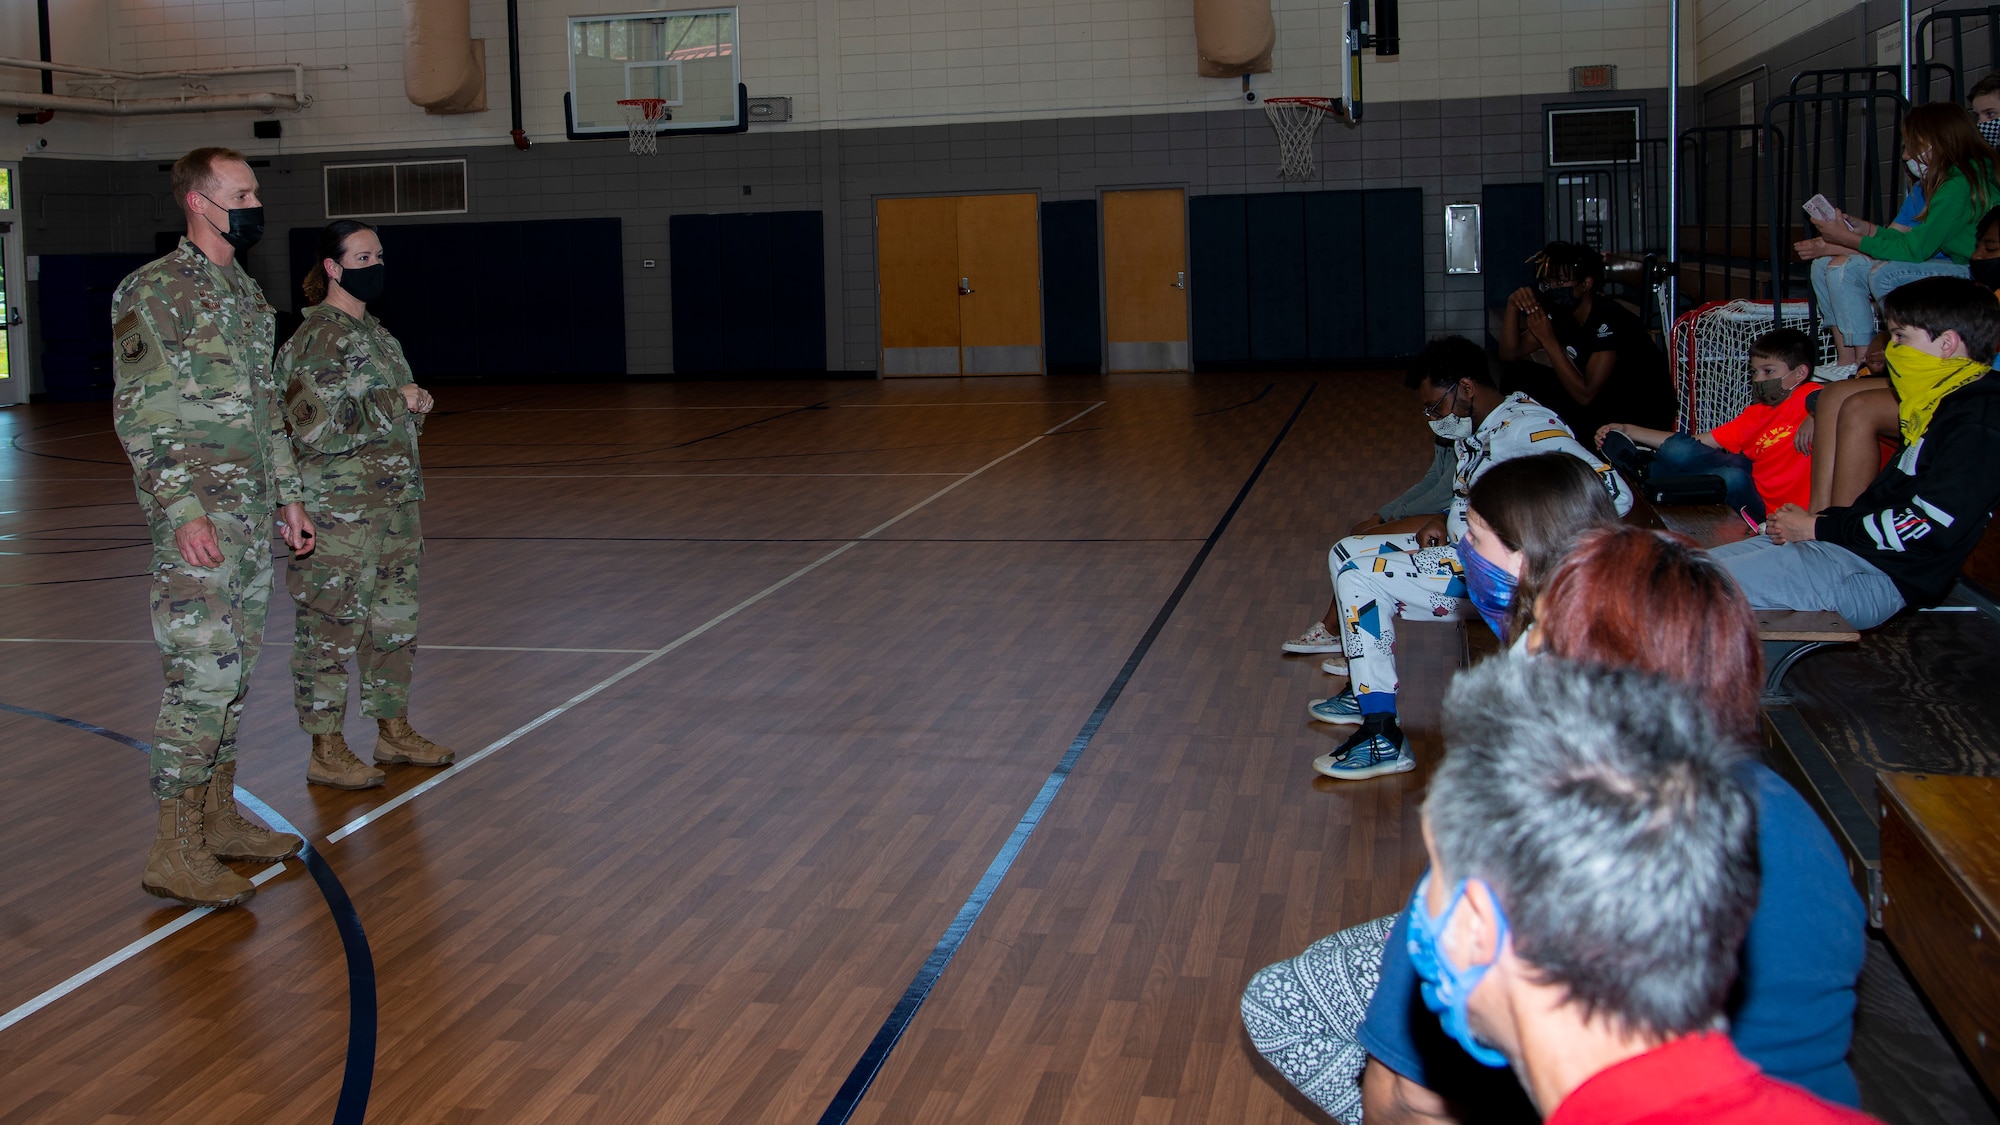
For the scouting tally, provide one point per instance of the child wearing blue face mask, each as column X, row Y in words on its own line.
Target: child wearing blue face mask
column 1522, row 517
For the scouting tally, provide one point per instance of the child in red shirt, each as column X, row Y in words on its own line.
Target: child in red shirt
column 1754, row 454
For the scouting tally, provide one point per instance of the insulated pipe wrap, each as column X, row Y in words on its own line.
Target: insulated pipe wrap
column 444, row 68
column 1234, row 37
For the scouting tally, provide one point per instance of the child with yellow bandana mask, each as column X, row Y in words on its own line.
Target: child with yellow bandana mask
column 1903, row 539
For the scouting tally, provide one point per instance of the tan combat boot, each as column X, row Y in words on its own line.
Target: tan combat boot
column 180, row 866
column 398, row 743
column 230, row 836
column 336, row 767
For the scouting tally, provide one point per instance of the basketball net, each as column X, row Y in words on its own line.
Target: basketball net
column 1297, row 121
column 642, row 123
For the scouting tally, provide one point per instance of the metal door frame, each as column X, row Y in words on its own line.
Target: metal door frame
column 19, row 384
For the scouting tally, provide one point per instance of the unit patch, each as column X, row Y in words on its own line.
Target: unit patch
column 303, row 407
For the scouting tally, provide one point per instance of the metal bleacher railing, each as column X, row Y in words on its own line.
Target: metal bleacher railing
column 1618, row 208
column 1835, row 132
column 1971, row 44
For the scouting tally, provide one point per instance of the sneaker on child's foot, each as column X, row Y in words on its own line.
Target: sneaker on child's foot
column 1342, row 710
column 1334, row 666
column 1368, row 753
column 1315, row 639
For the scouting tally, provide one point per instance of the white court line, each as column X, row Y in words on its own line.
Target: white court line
column 114, row 960
column 511, row 648
column 647, row 476
column 553, row 713
column 69, row 641
column 447, row 648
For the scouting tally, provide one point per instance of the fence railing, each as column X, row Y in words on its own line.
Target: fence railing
column 1971, row 42
column 1849, row 141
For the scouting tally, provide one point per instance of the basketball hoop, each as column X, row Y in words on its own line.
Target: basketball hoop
column 642, row 122
column 1297, row 121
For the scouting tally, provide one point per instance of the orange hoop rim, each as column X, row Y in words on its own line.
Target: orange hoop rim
column 1319, row 103
column 652, row 106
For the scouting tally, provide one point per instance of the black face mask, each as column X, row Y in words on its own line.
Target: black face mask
column 365, row 283
column 246, row 225
column 1560, row 300
column 1986, row 271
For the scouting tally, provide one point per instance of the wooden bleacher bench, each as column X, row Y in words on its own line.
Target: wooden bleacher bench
column 1789, row 634
column 1941, row 901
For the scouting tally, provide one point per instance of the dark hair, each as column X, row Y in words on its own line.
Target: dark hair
column 196, row 171
column 1572, row 260
column 1651, row 600
column 1538, row 506
column 332, row 244
column 1446, row 360
column 1605, row 815
column 1941, row 133
column 1938, row 305
column 1991, row 217
column 1987, row 85
column 1788, row 346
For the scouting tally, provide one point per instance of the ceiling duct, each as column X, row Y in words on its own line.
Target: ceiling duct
column 444, row 67
column 1234, row 37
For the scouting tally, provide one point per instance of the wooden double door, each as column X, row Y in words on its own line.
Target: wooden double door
column 961, row 283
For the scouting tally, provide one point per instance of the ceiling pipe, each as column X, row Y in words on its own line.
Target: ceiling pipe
column 296, row 70
column 140, row 107
column 42, row 19
column 520, row 135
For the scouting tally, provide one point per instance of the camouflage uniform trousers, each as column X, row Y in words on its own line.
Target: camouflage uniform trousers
column 209, row 625
column 357, row 597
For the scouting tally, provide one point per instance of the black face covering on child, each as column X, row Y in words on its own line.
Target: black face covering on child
column 1986, row 271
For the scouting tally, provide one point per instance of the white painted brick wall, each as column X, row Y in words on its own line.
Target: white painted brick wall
column 899, row 61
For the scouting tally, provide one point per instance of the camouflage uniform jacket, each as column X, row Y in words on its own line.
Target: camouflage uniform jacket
column 355, row 436
column 195, row 402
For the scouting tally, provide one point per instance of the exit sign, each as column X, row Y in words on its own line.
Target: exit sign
column 1583, row 79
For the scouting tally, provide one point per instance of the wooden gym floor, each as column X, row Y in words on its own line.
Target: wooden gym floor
column 751, row 685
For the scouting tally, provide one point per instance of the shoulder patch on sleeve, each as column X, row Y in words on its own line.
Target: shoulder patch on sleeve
column 303, row 407
column 136, row 346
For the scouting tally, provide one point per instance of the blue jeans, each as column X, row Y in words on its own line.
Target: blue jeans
column 1683, row 456
column 1843, row 290
column 1811, row 576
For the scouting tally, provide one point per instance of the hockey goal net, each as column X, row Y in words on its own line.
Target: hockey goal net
column 1710, row 352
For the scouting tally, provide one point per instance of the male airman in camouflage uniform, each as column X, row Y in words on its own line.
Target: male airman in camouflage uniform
column 199, row 412
column 355, row 413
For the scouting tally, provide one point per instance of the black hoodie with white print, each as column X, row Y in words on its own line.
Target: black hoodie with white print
column 1925, row 513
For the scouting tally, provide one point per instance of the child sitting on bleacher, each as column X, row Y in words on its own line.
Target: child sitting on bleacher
column 1754, row 454
column 1902, row 541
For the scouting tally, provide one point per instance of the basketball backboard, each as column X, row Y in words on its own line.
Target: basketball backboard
column 689, row 59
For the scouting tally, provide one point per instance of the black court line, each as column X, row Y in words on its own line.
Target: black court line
column 359, row 1076
column 849, row 1096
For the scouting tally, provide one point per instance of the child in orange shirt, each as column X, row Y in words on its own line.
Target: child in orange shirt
column 1754, row 453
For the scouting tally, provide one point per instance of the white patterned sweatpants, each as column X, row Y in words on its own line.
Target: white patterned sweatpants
column 1378, row 578
column 1303, row 1015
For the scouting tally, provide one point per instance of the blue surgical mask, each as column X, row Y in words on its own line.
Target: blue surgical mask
column 1490, row 587
column 1446, row 988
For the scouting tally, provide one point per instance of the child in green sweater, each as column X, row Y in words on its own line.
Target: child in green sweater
column 1955, row 171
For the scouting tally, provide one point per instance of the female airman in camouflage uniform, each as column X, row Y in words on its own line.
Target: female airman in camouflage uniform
column 355, row 414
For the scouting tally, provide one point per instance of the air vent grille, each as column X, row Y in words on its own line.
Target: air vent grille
column 413, row 187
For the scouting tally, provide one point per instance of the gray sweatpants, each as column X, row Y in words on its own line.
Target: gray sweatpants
column 1812, row 576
